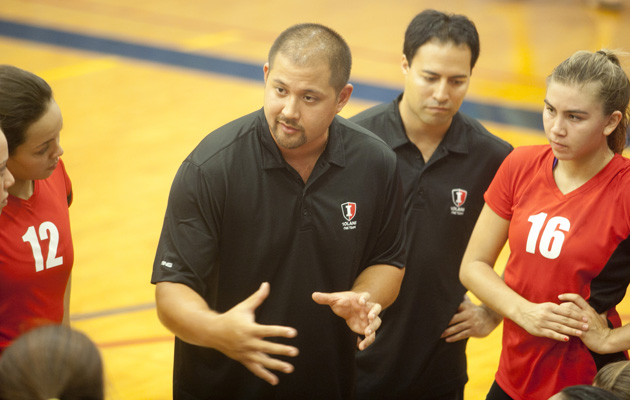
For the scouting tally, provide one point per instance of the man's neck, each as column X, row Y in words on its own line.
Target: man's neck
column 304, row 158
column 426, row 137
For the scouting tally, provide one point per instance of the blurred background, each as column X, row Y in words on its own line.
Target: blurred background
column 141, row 82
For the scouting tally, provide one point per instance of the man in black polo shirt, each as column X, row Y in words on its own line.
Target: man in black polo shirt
column 274, row 220
column 447, row 161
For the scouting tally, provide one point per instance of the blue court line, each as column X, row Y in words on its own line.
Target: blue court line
column 363, row 90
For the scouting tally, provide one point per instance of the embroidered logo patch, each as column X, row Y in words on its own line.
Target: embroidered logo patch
column 459, row 198
column 349, row 211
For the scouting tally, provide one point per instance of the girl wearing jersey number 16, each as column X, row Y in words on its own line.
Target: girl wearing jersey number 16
column 564, row 208
column 36, row 252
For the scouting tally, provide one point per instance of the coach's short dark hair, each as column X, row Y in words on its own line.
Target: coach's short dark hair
column 432, row 24
column 306, row 43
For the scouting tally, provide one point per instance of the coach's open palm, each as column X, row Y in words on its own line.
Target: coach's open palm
column 361, row 315
column 243, row 338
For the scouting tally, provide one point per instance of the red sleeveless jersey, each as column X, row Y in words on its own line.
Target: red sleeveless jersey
column 36, row 256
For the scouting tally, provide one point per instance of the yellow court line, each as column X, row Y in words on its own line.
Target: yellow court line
column 212, row 40
column 80, row 69
column 524, row 95
column 516, row 136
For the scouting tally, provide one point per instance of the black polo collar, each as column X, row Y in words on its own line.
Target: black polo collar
column 452, row 141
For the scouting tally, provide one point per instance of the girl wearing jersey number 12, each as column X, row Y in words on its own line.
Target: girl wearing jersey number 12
column 36, row 252
column 565, row 208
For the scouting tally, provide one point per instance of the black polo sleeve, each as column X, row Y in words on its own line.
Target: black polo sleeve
column 390, row 245
column 188, row 246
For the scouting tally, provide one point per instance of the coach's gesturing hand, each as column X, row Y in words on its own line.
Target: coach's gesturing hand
column 235, row 333
column 360, row 314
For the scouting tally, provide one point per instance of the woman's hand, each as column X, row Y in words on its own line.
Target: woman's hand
column 552, row 320
column 598, row 333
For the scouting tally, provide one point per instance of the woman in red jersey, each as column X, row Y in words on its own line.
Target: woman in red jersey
column 565, row 208
column 36, row 252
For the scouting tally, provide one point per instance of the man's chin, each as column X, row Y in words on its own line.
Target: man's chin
column 288, row 141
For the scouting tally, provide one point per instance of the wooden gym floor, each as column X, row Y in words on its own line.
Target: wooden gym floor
column 141, row 82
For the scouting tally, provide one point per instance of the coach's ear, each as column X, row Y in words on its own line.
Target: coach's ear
column 344, row 96
column 404, row 65
column 266, row 71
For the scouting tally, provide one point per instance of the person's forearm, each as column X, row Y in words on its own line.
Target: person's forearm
column 494, row 317
column 483, row 282
column 618, row 340
column 476, row 272
column 185, row 313
column 382, row 282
